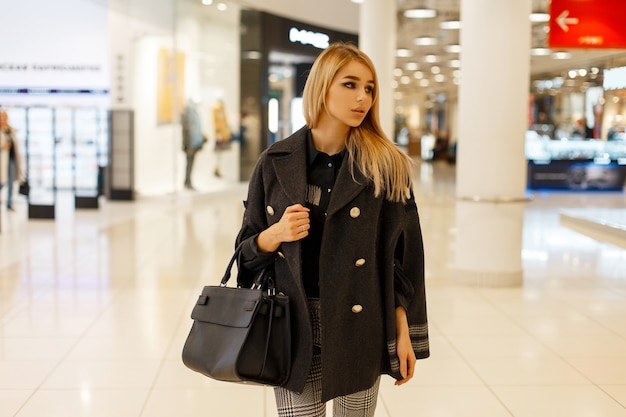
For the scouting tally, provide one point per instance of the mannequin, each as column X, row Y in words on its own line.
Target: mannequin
column 193, row 139
column 222, row 132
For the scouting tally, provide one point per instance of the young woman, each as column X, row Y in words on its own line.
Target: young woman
column 331, row 207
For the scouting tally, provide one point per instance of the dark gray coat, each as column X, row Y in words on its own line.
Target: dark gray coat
column 359, row 286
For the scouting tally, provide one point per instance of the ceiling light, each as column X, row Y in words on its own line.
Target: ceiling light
column 397, row 72
column 540, row 51
column 207, row 2
column 453, row 49
column 251, row 55
column 405, row 80
column 418, row 75
column 425, row 41
column 403, row 53
column 572, row 73
column 222, row 7
column 450, row 25
column 539, row 17
column 411, row 66
column 440, row 78
column 561, row 55
column 424, row 82
column 435, row 69
column 454, row 63
column 357, row 1
column 420, row 13
column 431, row 59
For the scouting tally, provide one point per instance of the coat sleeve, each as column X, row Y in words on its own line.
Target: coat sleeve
column 411, row 291
column 406, row 255
column 251, row 259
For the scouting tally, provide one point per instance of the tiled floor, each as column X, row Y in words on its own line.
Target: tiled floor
column 94, row 310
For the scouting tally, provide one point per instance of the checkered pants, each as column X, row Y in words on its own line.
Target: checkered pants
column 309, row 403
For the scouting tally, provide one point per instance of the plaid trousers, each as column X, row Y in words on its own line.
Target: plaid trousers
column 309, row 402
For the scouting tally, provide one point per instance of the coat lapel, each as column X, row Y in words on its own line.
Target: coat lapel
column 290, row 166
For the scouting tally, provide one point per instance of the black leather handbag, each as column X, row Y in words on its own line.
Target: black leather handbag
column 241, row 335
column 24, row 188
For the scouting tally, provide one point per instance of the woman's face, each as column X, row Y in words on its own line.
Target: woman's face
column 351, row 94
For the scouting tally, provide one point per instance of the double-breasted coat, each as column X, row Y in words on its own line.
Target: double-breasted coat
column 371, row 261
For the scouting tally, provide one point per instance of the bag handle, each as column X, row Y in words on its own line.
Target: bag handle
column 226, row 276
column 262, row 281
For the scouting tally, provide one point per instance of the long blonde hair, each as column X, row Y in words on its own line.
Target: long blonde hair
column 371, row 152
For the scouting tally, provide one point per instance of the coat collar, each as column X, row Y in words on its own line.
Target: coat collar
column 289, row 162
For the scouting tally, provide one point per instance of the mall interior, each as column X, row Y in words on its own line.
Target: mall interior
column 518, row 141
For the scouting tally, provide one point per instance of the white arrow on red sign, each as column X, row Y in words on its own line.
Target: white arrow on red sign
column 563, row 20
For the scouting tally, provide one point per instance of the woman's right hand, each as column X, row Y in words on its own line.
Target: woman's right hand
column 292, row 226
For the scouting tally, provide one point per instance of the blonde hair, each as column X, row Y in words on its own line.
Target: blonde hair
column 370, row 151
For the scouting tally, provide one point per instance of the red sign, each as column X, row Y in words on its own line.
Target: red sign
column 587, row 24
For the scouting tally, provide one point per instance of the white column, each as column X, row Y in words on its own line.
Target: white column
column 377, row 38
column 491, row 165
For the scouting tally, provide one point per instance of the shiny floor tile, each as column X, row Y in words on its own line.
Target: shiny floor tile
column 95, row 308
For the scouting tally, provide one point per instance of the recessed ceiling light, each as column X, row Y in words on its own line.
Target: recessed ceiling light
column 403, row 53
column 251, row 55
column 450, row 25
column 561, row 55
column 539, row 17
column 540, row 51
column 207, row 2
column 453, row 49
column 411, row 66
column 431, row 58
column 420, row 13
column 425, row 41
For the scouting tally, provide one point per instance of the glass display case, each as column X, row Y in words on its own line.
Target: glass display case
column 575, row 164
column 62, row 148
column 86, row 156
column 64, row 133
column 41, row 162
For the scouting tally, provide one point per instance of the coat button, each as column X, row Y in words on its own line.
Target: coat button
column 357, row 308
column 270, row 210
column 360, row 262
column 355, row 212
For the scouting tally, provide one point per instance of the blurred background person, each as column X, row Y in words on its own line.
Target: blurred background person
column 193, row 139
column 9, row 158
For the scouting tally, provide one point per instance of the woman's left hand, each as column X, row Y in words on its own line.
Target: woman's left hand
column 404, row 349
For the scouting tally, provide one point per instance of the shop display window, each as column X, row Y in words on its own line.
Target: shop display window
column 575, row 164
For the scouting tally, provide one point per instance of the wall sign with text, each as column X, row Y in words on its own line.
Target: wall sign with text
column 587, row 24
